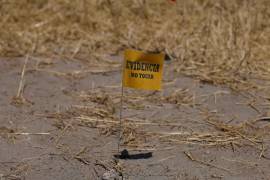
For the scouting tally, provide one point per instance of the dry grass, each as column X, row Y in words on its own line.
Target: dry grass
column 96, row 112
column 217, row 42
column 221, row 42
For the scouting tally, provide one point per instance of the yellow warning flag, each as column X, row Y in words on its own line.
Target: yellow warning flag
column 142, row 70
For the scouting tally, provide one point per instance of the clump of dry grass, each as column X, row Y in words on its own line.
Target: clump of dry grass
column 179, row 97
column 19, row 99
column 7, row 133
column 220, row 42
column 222, row 135
column 19, row 171
column 136, row 133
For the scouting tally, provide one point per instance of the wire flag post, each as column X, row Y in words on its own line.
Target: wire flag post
column 140, row 71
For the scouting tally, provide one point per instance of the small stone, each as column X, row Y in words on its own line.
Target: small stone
column 110, row 175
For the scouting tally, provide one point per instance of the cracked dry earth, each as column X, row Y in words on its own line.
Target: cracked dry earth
column 64, row 125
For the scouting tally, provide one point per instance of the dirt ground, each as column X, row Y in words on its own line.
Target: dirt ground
column 64, row 126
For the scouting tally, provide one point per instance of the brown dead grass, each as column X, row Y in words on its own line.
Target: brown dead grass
column 220, row 42
column 96, row 112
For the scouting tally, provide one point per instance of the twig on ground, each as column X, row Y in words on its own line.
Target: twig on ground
column 192, row 158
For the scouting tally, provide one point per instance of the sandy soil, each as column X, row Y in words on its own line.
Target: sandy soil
column 72, row 150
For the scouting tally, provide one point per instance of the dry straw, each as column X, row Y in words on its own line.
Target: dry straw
column 217, row 42
column 220, row 42
column 98, row 113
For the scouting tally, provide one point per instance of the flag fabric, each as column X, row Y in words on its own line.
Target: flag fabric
column 142, row 70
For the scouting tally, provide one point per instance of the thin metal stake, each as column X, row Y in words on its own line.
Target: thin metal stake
column 121, row 109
